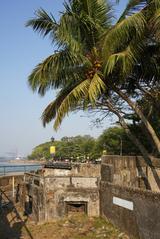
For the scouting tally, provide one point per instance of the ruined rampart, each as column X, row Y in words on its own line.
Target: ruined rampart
column 125, row 198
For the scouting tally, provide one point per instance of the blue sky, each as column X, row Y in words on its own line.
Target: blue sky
column 20, row 51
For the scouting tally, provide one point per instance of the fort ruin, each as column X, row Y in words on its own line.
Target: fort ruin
column 57, row 192
column 123, row 189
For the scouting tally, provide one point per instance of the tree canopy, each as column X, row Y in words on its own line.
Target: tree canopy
column 99, row 63
column 113, row 140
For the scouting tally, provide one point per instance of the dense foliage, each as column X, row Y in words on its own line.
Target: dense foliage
column 83, row 148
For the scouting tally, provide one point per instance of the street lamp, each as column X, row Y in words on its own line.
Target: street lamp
column 52, row 149
column 121, row 145
column 104, row 149
column 52, row 139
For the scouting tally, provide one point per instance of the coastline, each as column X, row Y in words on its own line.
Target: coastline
column 25, row 161
column 14, row 167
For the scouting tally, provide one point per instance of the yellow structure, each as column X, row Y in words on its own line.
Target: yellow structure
column 52, row 149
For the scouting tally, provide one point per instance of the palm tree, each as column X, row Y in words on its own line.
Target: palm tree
column 74, row 66
column 82, row 70
column 132, row 50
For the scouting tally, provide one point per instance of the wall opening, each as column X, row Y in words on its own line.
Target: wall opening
column 28, row 205
column 74, row 207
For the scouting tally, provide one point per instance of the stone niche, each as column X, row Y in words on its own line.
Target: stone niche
column 71, row 207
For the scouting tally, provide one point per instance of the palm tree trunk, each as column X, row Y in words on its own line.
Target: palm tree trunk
column 142, row 117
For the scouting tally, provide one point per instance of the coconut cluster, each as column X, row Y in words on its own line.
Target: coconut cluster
column 96, row 66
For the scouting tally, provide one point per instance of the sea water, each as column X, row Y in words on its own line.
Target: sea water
column 6, row 167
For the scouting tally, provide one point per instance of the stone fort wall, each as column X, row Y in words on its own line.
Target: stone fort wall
column 126, row 198
column 132, row 171
column 122, row 189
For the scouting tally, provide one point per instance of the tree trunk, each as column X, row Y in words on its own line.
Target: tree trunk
column 142, row 117
column 136, row 142
column 152, row 98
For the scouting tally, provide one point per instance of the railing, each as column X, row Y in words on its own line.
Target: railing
column 10, row 169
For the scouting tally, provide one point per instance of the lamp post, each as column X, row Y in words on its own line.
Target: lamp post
column 104, row 149
column 52, row 139
column 52, row 149
column 121, row 145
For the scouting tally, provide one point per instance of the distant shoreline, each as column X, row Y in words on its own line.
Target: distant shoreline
column 25, row 161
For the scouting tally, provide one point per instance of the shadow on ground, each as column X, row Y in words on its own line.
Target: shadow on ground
column 11, row 222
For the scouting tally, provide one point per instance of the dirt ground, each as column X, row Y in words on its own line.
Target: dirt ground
column 13, row 225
